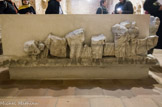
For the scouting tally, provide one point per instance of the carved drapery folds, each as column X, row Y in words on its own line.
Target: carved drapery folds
column 126, row 44
column 97, row 44
column 75, row 41
column 56, row 45
column 127, row 41
column 154, row 25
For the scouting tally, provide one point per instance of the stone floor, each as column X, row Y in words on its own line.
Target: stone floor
column 158, row 54
column 156, row 72
column 79, row 93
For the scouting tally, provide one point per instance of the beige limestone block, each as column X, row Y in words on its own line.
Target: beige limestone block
column 128, row 49
column 56, row 45
column 133, row 46
column 152, row 59
column 154, row 25
column 126, row 24
column 144, row 45
column 126, row 42
column 109, row 49
column 133, row 32
column 30, row 47
column 152, row 41
column 141, row 46
column 121, row 38
column 40, row 46
column 48, row 42
column 134, row 24
column 119, row 30
column 97, row 43
column 86, row 52
column 75, row 41
column 60, row 25
column 120, row 50
column 44, row 53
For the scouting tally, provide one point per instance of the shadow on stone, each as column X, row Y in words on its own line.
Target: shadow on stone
column 116, row 88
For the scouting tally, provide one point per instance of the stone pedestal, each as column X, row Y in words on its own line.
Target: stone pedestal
column 80, row 72
column 118, row 52
column 64, row 69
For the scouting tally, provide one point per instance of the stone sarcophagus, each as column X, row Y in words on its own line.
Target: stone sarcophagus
column 53, row 47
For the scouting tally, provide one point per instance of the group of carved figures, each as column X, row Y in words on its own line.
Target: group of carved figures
column 126, row 43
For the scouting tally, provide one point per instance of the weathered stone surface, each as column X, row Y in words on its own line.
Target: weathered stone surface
column 86, row 52
column 127, row 43
column 133, row 32
column 16, row 61
column 56, row 45
column 44, row 53
column 133, row 24
column 150, row 59
column 126, row 24
column 152, row 41
column 154, row 25
column 50, row 68
column 97, row 43
column 41, row 46
column 92, row 26
column 48, row 41
column 141, row 47
column 128, row 49
column 133, row 46
column 126, row 39
column 109, row 49
column 31, row 47
column 75, row 41
column 119, row 30
column 121, row 37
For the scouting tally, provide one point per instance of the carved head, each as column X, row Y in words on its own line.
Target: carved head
column 25, row 2
column 58, row 0
column 103, row 3
column 122, row 1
